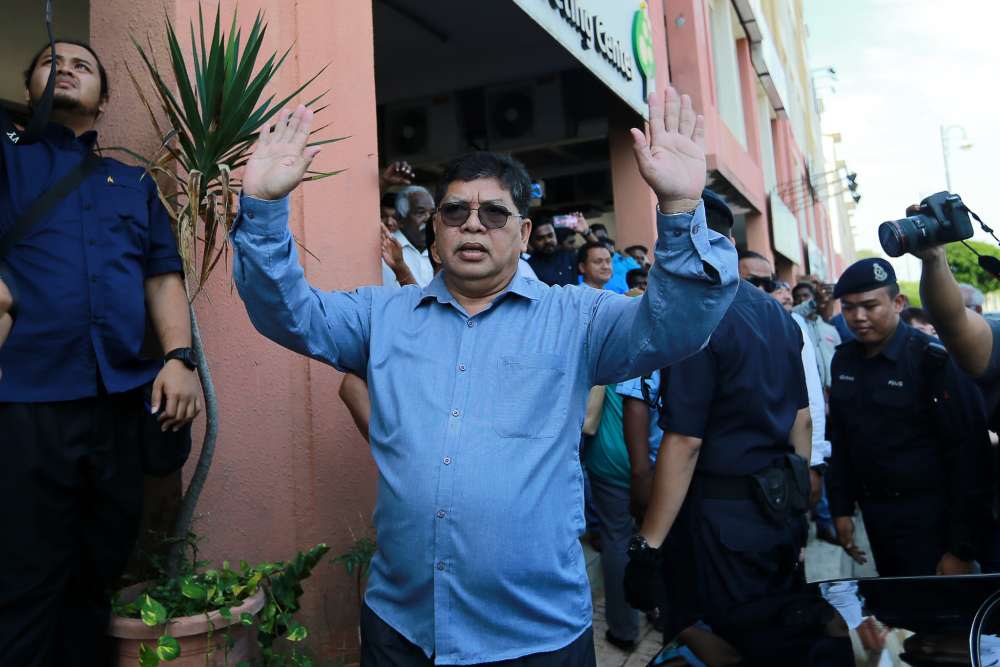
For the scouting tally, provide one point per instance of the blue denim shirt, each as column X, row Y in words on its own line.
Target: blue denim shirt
column 78, row 276
column 475, row 422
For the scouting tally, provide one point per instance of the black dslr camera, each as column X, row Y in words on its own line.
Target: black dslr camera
column 942, row 218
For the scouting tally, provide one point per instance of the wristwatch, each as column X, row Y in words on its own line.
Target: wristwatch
column 185, row 355
column 638, row 545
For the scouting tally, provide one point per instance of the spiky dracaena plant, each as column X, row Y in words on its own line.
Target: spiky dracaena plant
column 213, row 112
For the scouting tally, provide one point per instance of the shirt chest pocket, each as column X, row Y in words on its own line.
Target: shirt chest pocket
column 528, row 396
column 894, row 397
column 125, row 207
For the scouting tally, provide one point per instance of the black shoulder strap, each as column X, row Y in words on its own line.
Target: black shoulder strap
column 49, row 198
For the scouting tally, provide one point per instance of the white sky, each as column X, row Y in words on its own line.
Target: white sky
column 905, row 68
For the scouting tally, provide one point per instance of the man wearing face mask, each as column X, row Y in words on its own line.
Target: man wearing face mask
column 480, row 498
column 905, row 425
column 84, row 276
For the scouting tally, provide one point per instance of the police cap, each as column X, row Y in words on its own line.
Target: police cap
column 865, row 275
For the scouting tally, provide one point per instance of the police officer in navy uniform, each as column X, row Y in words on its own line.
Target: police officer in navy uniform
column 906, row 427
column 726, row 523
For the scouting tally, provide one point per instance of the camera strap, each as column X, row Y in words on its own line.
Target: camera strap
column 987, row 263
column 41, row 112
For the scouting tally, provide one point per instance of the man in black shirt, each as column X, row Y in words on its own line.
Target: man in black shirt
column 552, row 265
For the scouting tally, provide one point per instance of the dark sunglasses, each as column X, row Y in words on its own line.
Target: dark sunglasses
column 766, row 283
column 493, row 216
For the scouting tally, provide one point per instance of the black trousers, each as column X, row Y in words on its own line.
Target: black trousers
column 70, row 506
column 908, row 535
column 382, row 646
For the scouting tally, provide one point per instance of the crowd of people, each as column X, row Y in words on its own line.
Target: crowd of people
column 520, row 380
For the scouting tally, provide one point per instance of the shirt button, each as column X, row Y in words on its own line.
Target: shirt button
column 461, row 367
column 250, row 214
column 454, row 413
column 440, row 514
column 93, row 279
column 696, row 229
column 447, row 460
column 91, row 242
column 470, row 324
column 87, row 207
column 677, row 232
column 440, row 565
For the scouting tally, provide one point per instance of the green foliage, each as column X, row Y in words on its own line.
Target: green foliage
column 200, row 591
column 214, row 113
column 912, row 291
column 965, row 265
column 359, row 558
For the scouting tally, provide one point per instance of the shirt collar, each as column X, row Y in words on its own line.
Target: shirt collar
column 521, row 284
column 65, row 137
column 895, row 347
column 405, row 242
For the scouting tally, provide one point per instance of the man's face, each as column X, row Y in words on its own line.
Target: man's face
column 388, row 216
column 924, row 326
column 784, row 296
column 596, row 269
column 543, row 239
column 639, row 255
column 78, row 81
column 421, row 210
column 640, row 283
column 801, row 295
column 753, row 266
column 472, row 251
column 871, row 316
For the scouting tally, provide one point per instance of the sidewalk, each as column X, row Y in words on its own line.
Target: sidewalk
column 823, row 562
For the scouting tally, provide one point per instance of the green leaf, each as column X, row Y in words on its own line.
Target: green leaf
column 246, row 618
column 167, row 648
column 148, row 657
column 191, row 589
column 226, row 613
column 152, row 612
column 297, row 632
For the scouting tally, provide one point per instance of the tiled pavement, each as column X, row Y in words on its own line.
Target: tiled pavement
column 823, row 561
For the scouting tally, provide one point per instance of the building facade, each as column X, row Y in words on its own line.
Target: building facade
column 556, row 82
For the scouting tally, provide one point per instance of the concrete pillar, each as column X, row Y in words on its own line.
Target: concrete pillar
column 290, row 470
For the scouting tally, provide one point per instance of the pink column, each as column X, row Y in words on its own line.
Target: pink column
column 290, row 469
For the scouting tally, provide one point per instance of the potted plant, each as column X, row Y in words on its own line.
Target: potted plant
column 213, row 117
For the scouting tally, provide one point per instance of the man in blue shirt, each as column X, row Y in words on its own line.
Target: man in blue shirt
column 480, row 493
column 83, row 279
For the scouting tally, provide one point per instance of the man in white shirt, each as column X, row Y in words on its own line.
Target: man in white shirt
column 414, row 207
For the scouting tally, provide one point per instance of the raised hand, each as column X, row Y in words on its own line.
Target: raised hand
column 672, row 160
column 397, row 173
column 280, row 158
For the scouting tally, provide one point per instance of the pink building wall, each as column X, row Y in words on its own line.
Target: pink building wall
column 290, row 470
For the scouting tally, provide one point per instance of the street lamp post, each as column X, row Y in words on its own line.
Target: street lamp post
column 946, row 132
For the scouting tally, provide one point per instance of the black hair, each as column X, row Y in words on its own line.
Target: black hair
column 893, row 290
column 388, row 200
column 632, row 275
column 541, row 223
column 643, row 248
column 914, row 313
column 105, row 88
column 484, row 164
column 805, row 285
column 750, row 254
column 562, row 233
column 584, row 251
column 429, row 241
column 598, row 227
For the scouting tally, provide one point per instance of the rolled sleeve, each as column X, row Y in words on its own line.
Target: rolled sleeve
column 688, row 390
column 162, row 256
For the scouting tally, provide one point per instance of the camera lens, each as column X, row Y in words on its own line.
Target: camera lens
column 892, row 238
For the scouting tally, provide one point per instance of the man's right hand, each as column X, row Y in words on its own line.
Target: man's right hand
column 845, row 533
column 644, row 585
column 280, row 158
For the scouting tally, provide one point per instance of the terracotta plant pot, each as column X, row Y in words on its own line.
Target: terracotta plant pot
column 203, row 638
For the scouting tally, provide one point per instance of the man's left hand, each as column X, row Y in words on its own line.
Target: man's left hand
column 815, row 487
column 175, row 396
column 951, row 564
column 672, row 161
